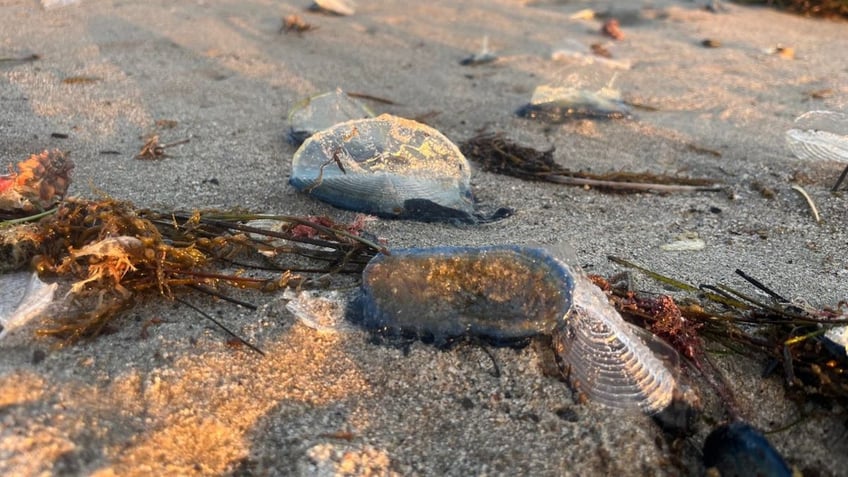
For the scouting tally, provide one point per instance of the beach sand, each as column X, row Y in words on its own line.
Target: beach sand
column 172, row 398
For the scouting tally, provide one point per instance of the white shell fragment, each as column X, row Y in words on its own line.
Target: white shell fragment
column 323, row 111
column 50, row 4
column 23, row 297
column 607, row 360
column 386, row 166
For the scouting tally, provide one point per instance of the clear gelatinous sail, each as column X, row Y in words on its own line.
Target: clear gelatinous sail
column 23, row 297
column 386, row 166
column 606, row 359
column 323, row 111
column 819, row 136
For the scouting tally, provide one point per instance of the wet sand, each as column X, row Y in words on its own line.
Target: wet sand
column 174, row 399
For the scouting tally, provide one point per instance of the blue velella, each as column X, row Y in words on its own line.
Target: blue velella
column 387, row 166
column 737, row 449
column 323, row 111
column 504, row 293
column 501, row 293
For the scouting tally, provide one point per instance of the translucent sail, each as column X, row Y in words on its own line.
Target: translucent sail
column 607, row 360
column 819, row 136
column 23, row 296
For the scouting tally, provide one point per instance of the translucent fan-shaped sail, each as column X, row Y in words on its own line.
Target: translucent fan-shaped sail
column 819, row 136
column 607, row 360
column 23, row 297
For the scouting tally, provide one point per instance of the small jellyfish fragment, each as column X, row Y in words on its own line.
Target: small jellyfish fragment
column 335, row 7
column 482, row 57
column 606, row 359
column 737, row 449
column 820, row 136
column 323, row 311
column 389, row 167
column 499, row 293
column 323, row 111
column 575, row 52
column 23, row 297
column 561, row 104
column 837, row 340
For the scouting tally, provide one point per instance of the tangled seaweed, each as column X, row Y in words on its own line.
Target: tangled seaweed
column 819, row 8
column 789, row 335
column 111, row 254
column 36, row 184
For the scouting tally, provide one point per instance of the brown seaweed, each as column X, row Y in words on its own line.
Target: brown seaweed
column 497, row 154
column 788, row 335
column 35, row 184
column 110, row 254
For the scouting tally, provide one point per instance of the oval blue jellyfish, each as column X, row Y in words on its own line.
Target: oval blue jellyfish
column 505, row 294
column 389, row 167
column 737, row 449
column 501, row 293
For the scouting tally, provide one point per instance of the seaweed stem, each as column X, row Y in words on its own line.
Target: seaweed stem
column 220, row 325
column 220, row 295
column 656, row 276
column 637, row 186
column 29, row 218
column 759, row 284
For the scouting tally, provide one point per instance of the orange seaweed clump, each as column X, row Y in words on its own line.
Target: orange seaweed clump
column 39, row 183
column 110, row 255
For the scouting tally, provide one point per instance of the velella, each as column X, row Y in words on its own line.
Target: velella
column 505, row 295
column 500, row 293
column 323, row 111
column 560, row 104
column 607, row 359
column 737, row 449
column 386, row 166
column 820, row 136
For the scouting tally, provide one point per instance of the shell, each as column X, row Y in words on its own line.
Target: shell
column 561, row 104
column 323, row 111
column 386, row 166
column 447, row 292
column 607, row 359
column 739, row 449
